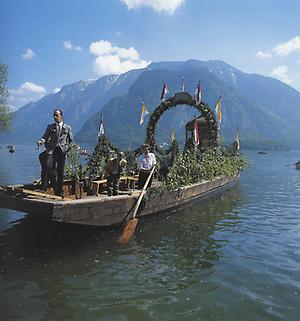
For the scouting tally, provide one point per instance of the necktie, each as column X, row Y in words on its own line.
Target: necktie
column 58, row 130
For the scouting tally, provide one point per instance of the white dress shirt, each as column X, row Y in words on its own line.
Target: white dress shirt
column 146, row 162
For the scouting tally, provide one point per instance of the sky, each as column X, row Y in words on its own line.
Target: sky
column 51, row 43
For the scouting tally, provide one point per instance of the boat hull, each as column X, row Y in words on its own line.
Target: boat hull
column 184, row 196
column 106, row 211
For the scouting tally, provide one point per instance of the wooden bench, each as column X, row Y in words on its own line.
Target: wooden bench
column 126, row 182
column 98, row 186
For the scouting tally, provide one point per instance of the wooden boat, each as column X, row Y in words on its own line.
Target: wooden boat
column 94, row 207
column 103, row 210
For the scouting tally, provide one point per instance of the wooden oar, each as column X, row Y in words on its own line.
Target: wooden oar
column 130, row 224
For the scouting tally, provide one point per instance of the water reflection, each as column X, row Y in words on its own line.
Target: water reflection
column 67, row 270
column 186, row 240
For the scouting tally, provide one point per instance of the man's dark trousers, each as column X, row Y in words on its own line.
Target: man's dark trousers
column 48, row 171
column 113, row 184
column 59, row 160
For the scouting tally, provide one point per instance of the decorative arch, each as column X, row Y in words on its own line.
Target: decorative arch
column 181, row 99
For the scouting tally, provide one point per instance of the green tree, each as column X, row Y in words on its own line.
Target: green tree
column 4, row 109
column 97, row 162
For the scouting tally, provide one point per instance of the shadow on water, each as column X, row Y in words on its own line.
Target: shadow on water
column 35, row 240
column 67, row 270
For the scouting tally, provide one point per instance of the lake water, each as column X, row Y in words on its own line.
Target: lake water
column 234, row 257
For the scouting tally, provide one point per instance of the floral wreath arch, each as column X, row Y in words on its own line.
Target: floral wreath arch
column 182, row 98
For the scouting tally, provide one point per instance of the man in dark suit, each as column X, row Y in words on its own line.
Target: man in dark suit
column 56, row 138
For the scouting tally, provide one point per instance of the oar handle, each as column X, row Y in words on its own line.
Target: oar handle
column 137, row 205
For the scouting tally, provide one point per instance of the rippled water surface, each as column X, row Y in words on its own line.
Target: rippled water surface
column 234, row 257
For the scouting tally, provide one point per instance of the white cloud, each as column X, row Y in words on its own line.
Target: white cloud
column 281, row 73
column 169, row 6
column 27, row 92
column 286, row 48
column 115, row 60
column 104, row 47
column 129, row 53
column 100, row 48
column 29, row 54
column 56, row 90
column 112, row 64
column 263, row 54
column 33, row 88
column 69, row 46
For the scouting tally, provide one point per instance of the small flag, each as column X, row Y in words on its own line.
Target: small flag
column 196, row 133
column 237, row 140
column 182, row 85
column 172, row 136
column 101, row 127
column 144, row 113
column 218, row 110
column 198, row 94
column 164, row 92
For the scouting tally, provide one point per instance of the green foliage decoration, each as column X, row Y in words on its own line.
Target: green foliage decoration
column 97, row 161
column 131, row 166
column 193, row 167
column 73, row 168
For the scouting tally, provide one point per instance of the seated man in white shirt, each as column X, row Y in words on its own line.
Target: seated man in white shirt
column 145, row 163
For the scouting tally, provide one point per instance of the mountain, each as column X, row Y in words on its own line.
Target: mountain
column 264, row 110
column 78, row 101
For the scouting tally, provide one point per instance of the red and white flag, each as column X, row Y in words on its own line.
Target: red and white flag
column 196, row 133
column 198, row 94
column 164, row 92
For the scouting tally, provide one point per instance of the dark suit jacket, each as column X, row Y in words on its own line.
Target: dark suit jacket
column 52, row 139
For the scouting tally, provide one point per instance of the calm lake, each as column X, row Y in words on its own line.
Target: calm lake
column 234, row 257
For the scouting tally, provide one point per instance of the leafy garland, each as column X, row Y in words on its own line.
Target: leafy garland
column 180, row 99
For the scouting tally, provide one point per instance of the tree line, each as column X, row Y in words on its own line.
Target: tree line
column 4, row 108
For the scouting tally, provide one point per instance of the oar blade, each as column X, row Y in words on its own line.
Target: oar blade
column 128, row 231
